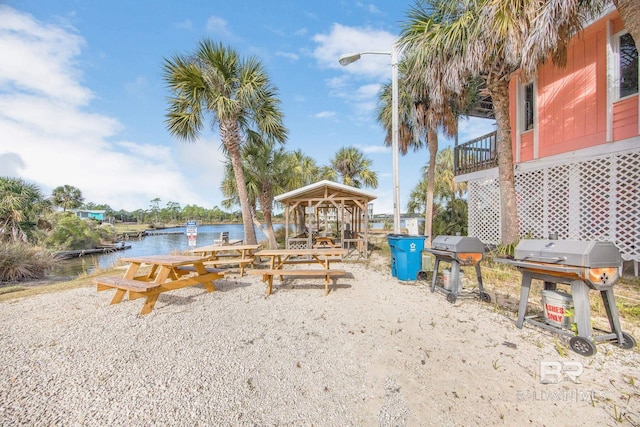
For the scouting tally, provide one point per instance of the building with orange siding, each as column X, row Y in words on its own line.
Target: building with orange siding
column 576, row 144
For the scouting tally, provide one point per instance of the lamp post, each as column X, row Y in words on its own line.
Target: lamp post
column 347, row 59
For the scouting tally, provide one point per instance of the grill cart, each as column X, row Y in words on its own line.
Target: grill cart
column 457, row 250
column 584, row 265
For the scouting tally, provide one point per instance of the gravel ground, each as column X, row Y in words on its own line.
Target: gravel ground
column 374, row 352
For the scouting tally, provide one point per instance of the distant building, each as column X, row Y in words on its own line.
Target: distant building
column 89, row 214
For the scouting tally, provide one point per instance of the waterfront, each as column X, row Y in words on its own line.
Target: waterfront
column 167, row 241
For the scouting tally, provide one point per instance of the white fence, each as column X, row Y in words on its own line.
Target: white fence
column 597, row 198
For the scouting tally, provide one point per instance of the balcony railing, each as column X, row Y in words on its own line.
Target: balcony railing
column 476, row 155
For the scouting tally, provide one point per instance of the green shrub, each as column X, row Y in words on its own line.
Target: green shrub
column 20, row 261
column 71, row 233
column 106, row 231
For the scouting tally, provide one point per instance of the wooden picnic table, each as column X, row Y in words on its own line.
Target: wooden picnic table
column 278, row 258
column 324, row 242
column 166, row 273
column 217, row 255
column 214, row 252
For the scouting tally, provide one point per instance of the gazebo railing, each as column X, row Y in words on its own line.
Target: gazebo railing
column 298, row 243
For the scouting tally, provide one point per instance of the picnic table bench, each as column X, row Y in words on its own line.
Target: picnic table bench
column 281, row 257
column 241, row 255
column 267, row 275
column 166, row 273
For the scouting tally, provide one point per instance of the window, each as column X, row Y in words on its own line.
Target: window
column 529, row 106
column 627, row 66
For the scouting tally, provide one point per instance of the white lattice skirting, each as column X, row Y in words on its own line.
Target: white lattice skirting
column 585, row 199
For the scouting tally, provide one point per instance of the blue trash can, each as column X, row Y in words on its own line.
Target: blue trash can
column 406, row 255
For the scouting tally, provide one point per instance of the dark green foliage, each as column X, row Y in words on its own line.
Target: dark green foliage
column 452, row 219
column 21, row 205
column 67, row 197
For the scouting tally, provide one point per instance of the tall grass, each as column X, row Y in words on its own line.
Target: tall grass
column 19, row 262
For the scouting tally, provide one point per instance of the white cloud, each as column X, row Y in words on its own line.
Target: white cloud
column 375, row 149
column 368, row 91
column 288, row 55
column 325, row 115
column 218, row 26
column 185, row 25
column 343, row 40
column 50, row 137
column 361, row 80
column 371, row 8
column 39, row 58
column 138, row 87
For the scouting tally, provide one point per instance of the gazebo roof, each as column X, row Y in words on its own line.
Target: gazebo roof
column 325, row 189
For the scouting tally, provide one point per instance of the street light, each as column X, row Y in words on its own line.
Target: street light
column 347, row 59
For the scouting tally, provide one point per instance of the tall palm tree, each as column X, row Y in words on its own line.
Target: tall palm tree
column 458, row 40
column 264, row 170
column 354, row 168
column 238, row 96
column 67, row 197
column 421, row 116
column 265, row 164
column 455, row 41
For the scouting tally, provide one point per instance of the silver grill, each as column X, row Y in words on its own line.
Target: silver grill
column 583, row 265
column 596, row 263
column 457, row 250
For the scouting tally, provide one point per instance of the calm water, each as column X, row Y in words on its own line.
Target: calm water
column 152, row 245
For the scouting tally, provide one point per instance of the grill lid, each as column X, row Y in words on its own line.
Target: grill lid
column 592, row 254
column 458, row 244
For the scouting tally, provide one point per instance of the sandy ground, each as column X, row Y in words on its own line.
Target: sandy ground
column 375, row 351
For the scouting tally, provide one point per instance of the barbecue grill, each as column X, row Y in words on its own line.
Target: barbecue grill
column 584, row 265
column 457, row 250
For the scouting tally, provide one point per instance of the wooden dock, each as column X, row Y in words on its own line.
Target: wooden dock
column 82, row 252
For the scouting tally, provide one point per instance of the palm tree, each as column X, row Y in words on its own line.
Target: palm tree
column 559, row 20
column 455, row 41
column 446, row 193
column 21, row 206
column 420, row 116
column 239, row 97
column 265, row 173
column 67, row 197
column 354, row 168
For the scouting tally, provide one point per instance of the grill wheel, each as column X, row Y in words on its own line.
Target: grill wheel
column 629, row 342
column 582, row 346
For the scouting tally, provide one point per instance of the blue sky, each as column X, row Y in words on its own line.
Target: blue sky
column 82, row 100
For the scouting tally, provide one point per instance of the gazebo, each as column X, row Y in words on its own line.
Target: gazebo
column 327, row 212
